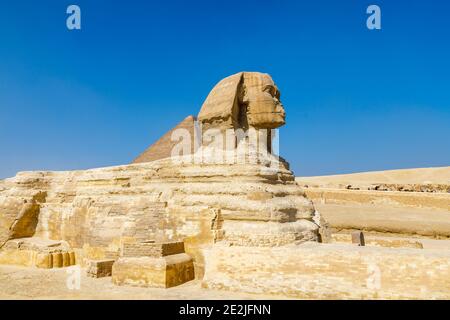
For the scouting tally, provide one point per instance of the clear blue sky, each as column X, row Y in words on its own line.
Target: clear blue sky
column 356, row 100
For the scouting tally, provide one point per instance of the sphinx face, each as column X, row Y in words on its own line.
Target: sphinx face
column 264, row 109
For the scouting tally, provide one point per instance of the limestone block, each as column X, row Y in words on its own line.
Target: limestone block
column 152, row 249
column 330, row 271
column 72, row 260
column 17, row 257
column 163, row 272
column 57, row 259
column 36, row 252
column 44, row 260
column 99, row 268
column 65, row 259
column 269, row 234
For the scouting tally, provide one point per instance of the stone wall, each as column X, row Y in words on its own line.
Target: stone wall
column 152, row 249
column 387, row 212
column 413, row 199
column 330, row 271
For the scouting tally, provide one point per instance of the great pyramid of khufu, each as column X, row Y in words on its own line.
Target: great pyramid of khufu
column 163, row 147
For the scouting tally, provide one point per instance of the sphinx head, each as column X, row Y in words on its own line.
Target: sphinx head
column 243, row 100
column 260, row 99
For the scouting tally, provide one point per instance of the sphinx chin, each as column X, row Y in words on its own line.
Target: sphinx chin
column 267, row 120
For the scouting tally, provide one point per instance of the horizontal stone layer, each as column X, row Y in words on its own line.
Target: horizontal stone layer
column 330, row 271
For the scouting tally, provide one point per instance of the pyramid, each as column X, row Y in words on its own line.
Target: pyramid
column 163, row 147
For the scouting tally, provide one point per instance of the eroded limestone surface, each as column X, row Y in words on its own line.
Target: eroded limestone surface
column 36, row 252
column 98, row 210
column 330, row 271
column 152, row 264
column 246, row 202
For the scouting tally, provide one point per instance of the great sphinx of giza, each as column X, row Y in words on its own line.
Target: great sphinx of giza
column 223, row 208
column 243, row 101
column 97, row 211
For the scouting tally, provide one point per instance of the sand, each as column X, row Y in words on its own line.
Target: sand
column 32, row 283
column 440, row 175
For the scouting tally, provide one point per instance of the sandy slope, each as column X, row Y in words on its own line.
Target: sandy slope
column 439, row 175
column 391, row 211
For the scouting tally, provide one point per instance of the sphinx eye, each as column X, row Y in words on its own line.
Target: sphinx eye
column 270, row 90
column 277, row 95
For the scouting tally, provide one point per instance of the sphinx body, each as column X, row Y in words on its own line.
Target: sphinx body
column 250, row 203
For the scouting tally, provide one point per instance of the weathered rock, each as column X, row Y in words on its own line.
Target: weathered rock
column 236, row 211
column 152, row 249
column 153, row 264
column 330, row 271
column 36, row 252
column 243, row 100
column 19, row 214
column 164, row 272
column 100, row 209
column 99, row 268
column 243, row 195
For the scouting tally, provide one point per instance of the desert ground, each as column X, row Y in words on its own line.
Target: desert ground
column 385, row 202
column 32, row 283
